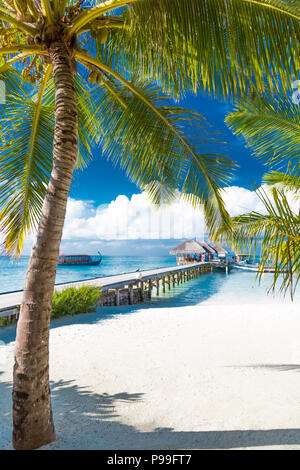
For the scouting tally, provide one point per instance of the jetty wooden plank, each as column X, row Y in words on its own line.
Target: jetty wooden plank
column 10, row 301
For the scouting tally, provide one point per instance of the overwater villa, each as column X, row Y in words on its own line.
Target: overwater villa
column 195, row 251
column 240, row 257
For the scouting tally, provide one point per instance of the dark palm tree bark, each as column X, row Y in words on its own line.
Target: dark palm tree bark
column 32, row 414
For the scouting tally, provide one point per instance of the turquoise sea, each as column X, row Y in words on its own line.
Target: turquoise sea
column 12, row 272
column 238, row 287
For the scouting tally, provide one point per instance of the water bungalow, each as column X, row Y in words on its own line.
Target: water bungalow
column 240, row 257
column 188, row 252
column 195, row 251
column 210, row 251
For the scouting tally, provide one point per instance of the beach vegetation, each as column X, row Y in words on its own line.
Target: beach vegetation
column 5, row 321
column 70, row 301
column 73, row 301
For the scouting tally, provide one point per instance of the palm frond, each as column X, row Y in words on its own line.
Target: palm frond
column 26, row 161
column 11, row 83
column 89, row 126
column 152, row 154
column 222, row 46
column 284, row 181
column 271, row 126
column 275, row 234
column 26, row 155
column 10, row 17
column 181, row 149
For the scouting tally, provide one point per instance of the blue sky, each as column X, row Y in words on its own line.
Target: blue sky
column 108, row 212
column 102, row 183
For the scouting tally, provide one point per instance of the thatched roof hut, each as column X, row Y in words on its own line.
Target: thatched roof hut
column 199, row 247
column 220, row 250
column 187, row 248
column 208, row 248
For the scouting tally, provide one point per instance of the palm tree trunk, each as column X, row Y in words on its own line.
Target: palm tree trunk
column 32, row 413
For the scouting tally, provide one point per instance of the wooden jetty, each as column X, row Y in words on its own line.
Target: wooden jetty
column 121, row 289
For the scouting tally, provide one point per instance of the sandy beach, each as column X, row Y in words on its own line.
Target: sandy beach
column 193, row 377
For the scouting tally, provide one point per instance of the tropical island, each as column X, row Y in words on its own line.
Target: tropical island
column 202, row 350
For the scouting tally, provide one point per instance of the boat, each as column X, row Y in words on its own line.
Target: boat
column 246, row 266
column 79, row 260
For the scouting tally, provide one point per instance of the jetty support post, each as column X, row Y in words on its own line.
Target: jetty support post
column 157, row 286
column 150, row 288
column 117, row 298
column 142, row 291
column 130, row 291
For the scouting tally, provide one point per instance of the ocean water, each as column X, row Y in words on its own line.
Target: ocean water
column 217, row 287
column 12, row 272
column 220, row 289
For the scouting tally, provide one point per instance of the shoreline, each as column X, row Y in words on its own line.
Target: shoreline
column 160, row 377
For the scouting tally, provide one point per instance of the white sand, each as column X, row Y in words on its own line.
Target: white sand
column 206, row 376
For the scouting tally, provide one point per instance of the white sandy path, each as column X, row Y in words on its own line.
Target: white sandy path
column 206, row 376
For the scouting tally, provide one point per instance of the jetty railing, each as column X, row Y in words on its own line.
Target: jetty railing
column 121, row 289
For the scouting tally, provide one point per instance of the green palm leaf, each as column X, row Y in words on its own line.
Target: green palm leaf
column 222, row 46
column 200, row 44
column 270, row 125
column 158, row 144
column 26, row 155
column 284, row 181
column 275, row 234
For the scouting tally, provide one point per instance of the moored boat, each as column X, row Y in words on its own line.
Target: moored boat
column 253, row 267
column 79, row 260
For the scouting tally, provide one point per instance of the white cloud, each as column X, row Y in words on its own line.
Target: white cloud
column 125, row 220
column 133, row 218
column 136, row 218
column 239, row 200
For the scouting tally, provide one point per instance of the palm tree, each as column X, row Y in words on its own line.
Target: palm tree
column 122, row 45
column 271, row 125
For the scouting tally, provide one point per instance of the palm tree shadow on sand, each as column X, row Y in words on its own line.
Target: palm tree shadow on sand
column 86, row 420
column 278, row 367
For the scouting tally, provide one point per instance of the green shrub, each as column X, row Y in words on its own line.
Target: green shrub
column 72, row 301
column 4, row 321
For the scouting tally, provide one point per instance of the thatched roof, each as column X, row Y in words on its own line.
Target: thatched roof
column 187, row 248
column 220, row 250
column 197, row 247
column 207, row 247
